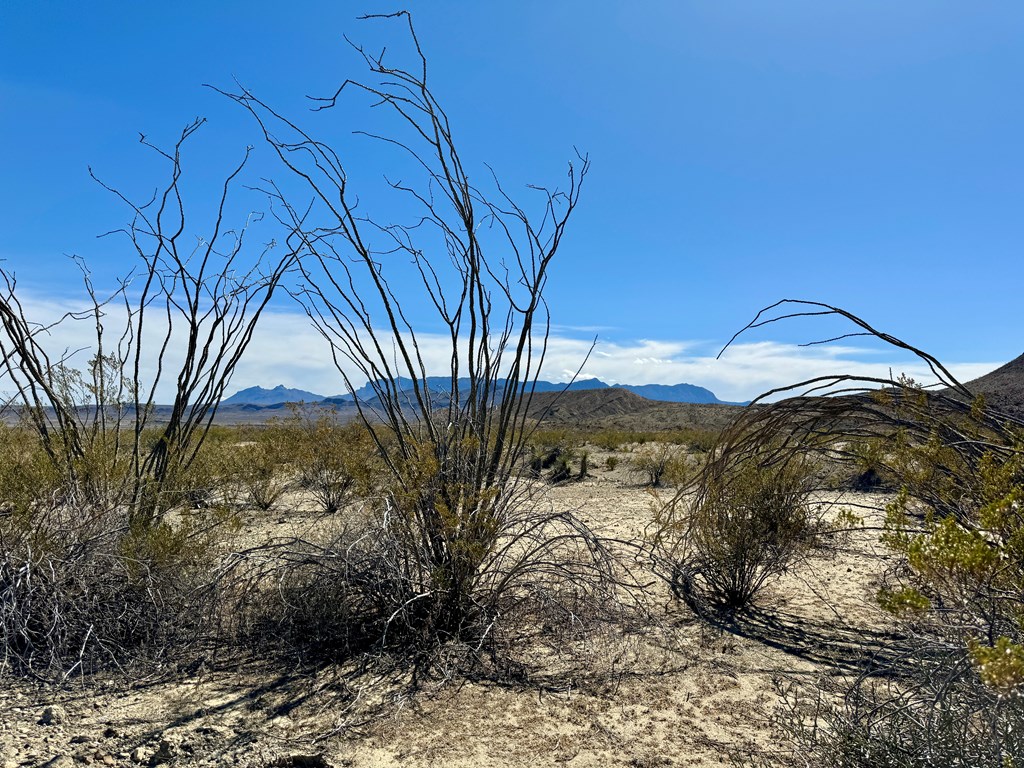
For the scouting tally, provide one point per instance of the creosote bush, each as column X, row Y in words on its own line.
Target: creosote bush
column 964, row 579
column 551, row 454
column 335, row 463
column 747, row 524
column 258, row 465
column 657, row 464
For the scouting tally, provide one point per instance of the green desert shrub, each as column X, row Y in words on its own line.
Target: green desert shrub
column 335, row 462
column 696, row 439
column 658, row 464
column 551, row 453
column 964, row 575
column 958, row 595
column 746, row 526
column 257, row 465
column 866, row 457
column 955, row 586
column 26, row 472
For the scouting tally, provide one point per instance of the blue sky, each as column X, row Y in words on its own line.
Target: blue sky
column 864, row 154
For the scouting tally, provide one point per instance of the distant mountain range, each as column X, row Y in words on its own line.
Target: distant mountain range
column 276, row 396
column 440, row 386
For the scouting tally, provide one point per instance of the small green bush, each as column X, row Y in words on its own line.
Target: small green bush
column 748, row 525
column 552, row 451
column 658, row 464
column 26, row 472
column 257, row 465
column 335, row 462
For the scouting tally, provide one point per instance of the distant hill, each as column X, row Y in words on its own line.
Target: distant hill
column 1003, row 388
column 594, row 408
column 620, row 409
column 276, row 396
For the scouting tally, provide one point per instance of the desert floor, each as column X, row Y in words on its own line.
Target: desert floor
column 688, row 692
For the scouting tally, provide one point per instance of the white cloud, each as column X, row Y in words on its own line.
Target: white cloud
column 745, row 370
column 286, row 350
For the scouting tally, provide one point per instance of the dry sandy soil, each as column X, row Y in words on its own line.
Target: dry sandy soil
column 687, row 694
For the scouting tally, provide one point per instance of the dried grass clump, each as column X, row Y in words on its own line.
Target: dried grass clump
column 940, row 718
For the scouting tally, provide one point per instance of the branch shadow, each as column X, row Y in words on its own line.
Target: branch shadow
column 843, row 647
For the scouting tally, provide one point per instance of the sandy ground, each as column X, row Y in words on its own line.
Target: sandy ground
column 689, row 694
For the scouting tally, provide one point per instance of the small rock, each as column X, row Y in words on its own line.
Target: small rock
column 53, row 715
column 80, row 739
column 140, row 755
column 173, row 744
column 167, row 751
column 60, row 761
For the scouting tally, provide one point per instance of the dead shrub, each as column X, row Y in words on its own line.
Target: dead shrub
column 942, row 720
column 83, row 590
